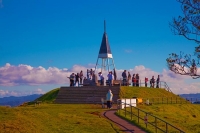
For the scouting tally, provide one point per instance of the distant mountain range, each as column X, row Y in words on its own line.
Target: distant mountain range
column 16, row 101
column 191, row 97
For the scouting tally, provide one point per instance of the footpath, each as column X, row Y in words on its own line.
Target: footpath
column 125, row 126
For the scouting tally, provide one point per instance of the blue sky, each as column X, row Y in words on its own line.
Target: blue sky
column 67, row 33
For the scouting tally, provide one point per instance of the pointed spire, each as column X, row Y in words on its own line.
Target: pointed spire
column 105, row 51
column 104, row 26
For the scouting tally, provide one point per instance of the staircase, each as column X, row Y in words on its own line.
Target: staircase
column 85, row 94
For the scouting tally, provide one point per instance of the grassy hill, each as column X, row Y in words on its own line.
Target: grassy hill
column 49, row 97
column 183, row 115
column 49, row 117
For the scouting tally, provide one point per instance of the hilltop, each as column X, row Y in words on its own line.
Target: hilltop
column 50, row 117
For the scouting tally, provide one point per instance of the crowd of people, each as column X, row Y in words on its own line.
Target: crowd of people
column 127, row 78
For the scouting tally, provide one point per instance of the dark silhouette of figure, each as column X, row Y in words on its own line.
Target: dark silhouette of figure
column 152, row 82
column 146, row 80
column 77, row 78
column 81, row 77
column 88, row 73
column 72, row 76
column 115, row 74
column 137, row 80
column 157, row 81
column 124, row 76
column 134, row 80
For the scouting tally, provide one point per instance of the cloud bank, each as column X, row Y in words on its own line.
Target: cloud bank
column 27, row 75
column 6, row 93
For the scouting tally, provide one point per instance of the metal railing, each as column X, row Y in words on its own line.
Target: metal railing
column 141, row 83
column 166, row 100
column 146, row 119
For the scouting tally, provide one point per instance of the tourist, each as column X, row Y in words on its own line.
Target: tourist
column 124, row 76
column 134, row 80
column 137, row 80
column 129, row 79
column 72, row 79
column 109, row 97
column 77, row 79
column 146, row 80
column 101, row 78
column 81, row 77
column 115, row 75
column 88, row 74
column 152, row 82
column 91, row 73
column 110, row 78
column 157, row 81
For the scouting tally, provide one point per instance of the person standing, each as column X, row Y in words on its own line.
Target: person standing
column 72, row 79
column 110, row 78
column 91, row 74
column 81, row 77
column 129, row 79
column 109, row 97
column 152, row 82
column 157, row 81
column 134, row 80
column 88, row 74
column 124, row 76
column 101, row 78
column 137, row 80
column 77, row 79
column 115, row 75
column 146, row 80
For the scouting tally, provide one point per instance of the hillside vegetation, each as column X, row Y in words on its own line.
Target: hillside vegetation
column 183, row 115
column 49, row 97
column 86, row 118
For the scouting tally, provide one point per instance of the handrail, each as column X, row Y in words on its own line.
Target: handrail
column 160, row 84
column 145, row 119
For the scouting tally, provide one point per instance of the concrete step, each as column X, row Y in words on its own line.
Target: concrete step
column 86, row 94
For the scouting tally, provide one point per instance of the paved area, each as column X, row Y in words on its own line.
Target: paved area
column 125, row 126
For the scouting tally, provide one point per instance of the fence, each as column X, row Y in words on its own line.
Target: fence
column 146, row 120
column 161, row 84
column 166, row 100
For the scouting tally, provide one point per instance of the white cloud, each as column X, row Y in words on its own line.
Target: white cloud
column 1, row 3
column 28, row 75
column 128, row 51
column 7, row 93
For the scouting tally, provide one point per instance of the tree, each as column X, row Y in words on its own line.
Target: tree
column 187, row 26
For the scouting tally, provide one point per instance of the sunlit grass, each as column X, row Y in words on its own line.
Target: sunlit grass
column 184, row 116
column 48, row 118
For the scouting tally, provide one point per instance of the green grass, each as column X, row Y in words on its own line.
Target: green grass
column 183, row 116
column 55, row 118
column 49, row 97
column 86, row 118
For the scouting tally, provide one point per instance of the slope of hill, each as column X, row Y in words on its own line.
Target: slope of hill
column 16, row 101
column 49, row 97
column 183, row 115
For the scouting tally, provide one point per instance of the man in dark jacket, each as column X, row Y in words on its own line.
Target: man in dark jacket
column 124, row 76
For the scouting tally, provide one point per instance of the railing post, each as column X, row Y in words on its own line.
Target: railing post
column 138, row 115
column 156, row 124
column 131, row 113
column 166, row 128
column 125, row 108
